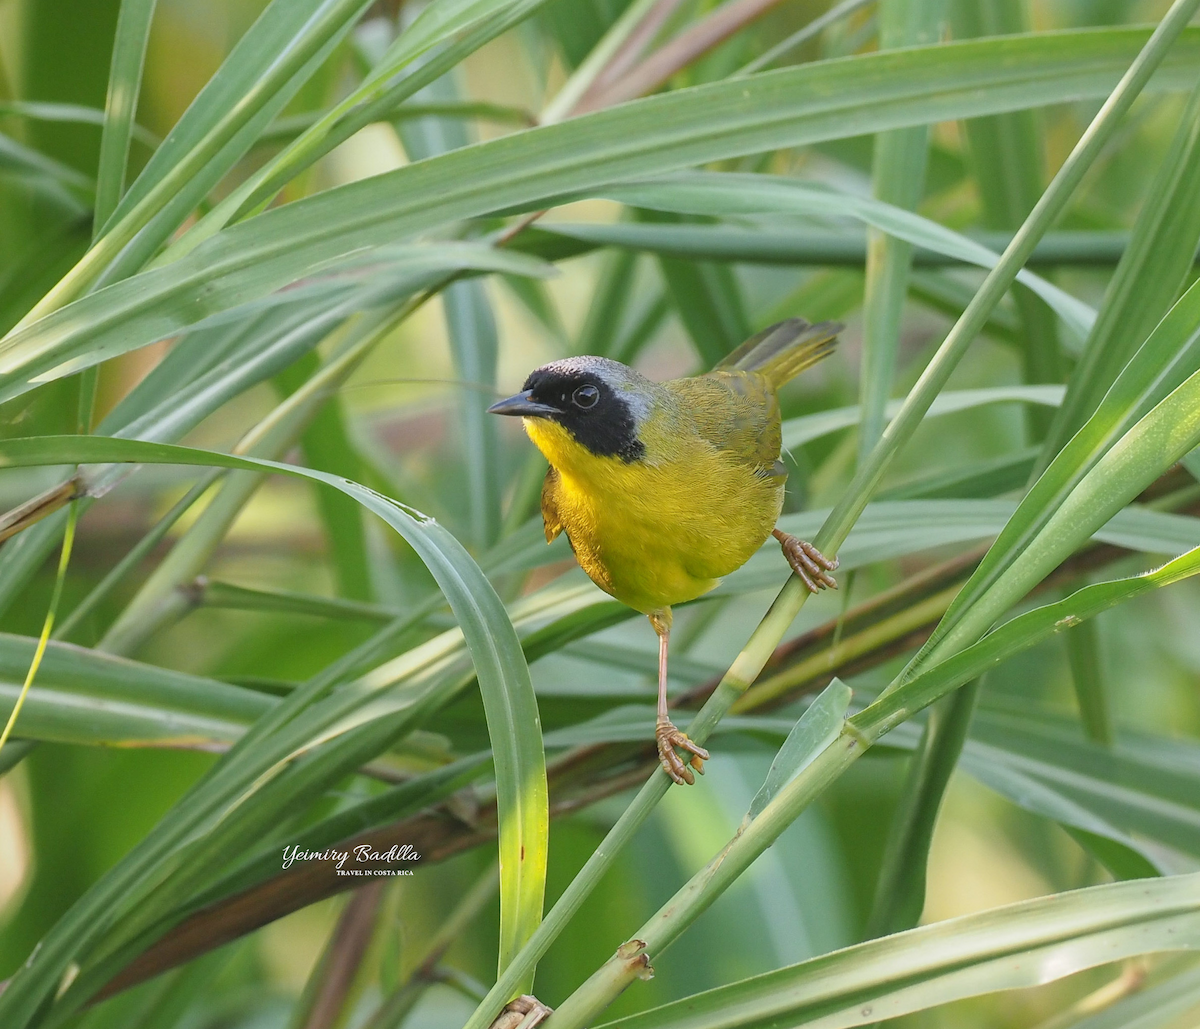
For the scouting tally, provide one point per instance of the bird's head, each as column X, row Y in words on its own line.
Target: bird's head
column 588, row 402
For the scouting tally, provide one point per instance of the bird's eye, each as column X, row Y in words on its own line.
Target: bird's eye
column 586, row 396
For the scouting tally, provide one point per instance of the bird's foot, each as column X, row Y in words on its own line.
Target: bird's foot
column 807, row 561
column 669, row 738
column 524, row 1012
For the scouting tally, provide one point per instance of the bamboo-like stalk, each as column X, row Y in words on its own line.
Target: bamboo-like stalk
column 613, row 977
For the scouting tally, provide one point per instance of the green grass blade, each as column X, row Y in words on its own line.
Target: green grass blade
column 766, row 245
column 242, row 598
column 1020, row 945
column 743, row 194
column 832, row 99
column 97, row 707
column 1007, row 163
column 1088, row 678
column 271, row 62
column 798, row 431
column 898, row 179
column 458, row 27
column 327, row 446
column 1013, row 636
column 475, row 344
column 1158, row 372
column 124, row 85
column 500, row 667
column 900, row 888
column 1147, row 281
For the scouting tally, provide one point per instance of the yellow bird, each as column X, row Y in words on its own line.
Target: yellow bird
column 664, row 487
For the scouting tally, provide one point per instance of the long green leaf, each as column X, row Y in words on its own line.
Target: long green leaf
column 1147, row 281
column 798, row 431
column 762, row 244
column 1007, row 163
column 500, row 668
column 85, row 697
column 832, row 99
column 897, row 179
column 287, row 43
column 1020, row 945
column 124, row 85
column 818, row 727
column 740, row 194
column 1124, row 447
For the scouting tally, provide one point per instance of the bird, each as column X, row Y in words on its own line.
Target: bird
column 663, row 488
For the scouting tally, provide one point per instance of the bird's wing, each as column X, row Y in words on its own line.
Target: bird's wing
column 551, row 521
column 736, row 412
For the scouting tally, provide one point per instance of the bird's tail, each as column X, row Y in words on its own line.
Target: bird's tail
column 783, row 350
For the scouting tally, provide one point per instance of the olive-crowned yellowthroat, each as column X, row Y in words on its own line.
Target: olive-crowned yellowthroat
column 664, row 487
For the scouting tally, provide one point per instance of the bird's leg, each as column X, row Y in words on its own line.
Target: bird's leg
column 807, row 561
column 665, row 733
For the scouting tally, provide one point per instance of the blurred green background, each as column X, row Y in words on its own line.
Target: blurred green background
column 67, row 813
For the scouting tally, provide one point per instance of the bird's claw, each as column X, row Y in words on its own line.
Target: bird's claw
column 808, row 562
column 669, row 738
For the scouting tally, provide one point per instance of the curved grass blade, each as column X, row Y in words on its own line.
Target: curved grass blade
column 120, row 108
column 495, row 650
column 1146, row 283
column 1142, row 428
column 1019, row 945
column 861, row 731
column 47, row 626
column 731, row 193
column 832, row 99
column 798, row 431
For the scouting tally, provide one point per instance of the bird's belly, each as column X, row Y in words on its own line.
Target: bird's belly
column 653, row 536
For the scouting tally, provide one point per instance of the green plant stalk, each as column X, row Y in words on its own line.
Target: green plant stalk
column 898, row 178
column 837, row 526
column 106, row 250
column 632, row 959
column 862, row 731
column 749, row 663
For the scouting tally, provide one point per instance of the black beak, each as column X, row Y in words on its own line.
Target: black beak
column 523, row 404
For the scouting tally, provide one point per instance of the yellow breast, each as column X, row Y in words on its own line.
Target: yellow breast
column 661, row 530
